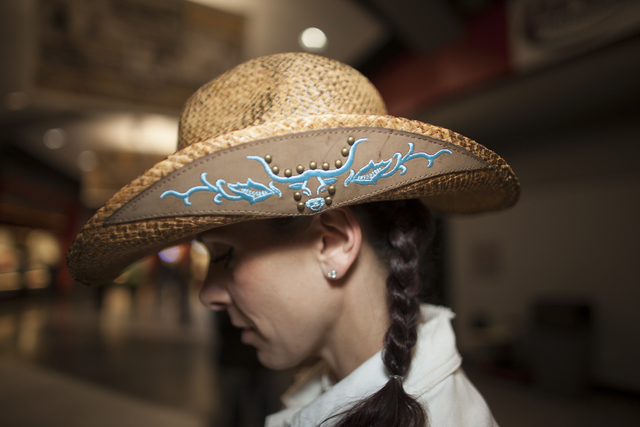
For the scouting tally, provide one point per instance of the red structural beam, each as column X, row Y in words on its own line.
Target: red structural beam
column 412, row 81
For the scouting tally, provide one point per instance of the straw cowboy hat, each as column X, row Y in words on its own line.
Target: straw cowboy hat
column 285, row 135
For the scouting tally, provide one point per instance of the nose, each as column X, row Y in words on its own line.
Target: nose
column 214, row 294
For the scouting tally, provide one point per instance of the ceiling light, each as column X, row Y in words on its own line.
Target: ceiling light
column 313, row 39
column 55, row 138
column 143, row 133
column 87, row 161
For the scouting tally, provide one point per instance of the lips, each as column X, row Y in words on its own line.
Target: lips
column 247, row 330
column 237, row 324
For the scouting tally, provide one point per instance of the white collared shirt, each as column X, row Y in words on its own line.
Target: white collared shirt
column 435, row 379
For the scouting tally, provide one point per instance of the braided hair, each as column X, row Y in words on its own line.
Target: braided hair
column 400, row 233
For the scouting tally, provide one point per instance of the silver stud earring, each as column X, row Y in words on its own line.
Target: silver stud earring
column 332, row 274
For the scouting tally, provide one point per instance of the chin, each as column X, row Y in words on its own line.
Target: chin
column 275, row 363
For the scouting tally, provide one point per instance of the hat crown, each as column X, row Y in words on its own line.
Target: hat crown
column 272, row 88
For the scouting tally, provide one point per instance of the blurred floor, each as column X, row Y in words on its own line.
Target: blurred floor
column 521, row 405
column 33, row 396
column 142, row 361
column 135, row 354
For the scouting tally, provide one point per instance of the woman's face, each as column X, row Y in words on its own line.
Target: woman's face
column 273, row 288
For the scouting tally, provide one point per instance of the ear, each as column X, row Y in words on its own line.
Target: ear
column 341, row 240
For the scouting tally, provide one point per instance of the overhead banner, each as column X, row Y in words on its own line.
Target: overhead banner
column 543, row 32
column 148, row 52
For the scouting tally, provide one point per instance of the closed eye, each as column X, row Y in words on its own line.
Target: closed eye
column 225, row 258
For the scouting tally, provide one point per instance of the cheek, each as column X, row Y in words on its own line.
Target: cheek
column 256, row 287
column 290, row 304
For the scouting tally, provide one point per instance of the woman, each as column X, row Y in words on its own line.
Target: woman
column 304, row 192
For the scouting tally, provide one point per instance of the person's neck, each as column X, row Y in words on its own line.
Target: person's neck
column 360, row 329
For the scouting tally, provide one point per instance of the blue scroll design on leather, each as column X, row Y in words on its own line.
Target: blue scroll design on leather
column 372, row 172
column 255, row 192
column 251, row 191
column 324, row 177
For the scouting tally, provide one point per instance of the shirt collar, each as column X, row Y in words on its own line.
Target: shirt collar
column 311, row 400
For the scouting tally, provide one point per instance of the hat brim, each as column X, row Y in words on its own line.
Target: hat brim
column 101, row 251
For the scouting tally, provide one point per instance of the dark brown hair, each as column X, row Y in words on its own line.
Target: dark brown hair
column 400, row 233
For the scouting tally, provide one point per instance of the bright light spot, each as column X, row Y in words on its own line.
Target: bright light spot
column 199, row 247
column 170, row 254
column 199, row 260
column 87, row 161
column 43, row 247
column 55, row 138
column 313, row 39
column 143, row 133
column 15, row 101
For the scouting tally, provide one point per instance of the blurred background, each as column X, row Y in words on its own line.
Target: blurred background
column 546, row 294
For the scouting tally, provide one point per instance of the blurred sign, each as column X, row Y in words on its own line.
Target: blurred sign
column 151, row 52
column 114, row 170
column 548, row 31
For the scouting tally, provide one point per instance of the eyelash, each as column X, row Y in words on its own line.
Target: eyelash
column 225, row 258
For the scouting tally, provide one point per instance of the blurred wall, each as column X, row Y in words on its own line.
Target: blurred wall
column 573, row 236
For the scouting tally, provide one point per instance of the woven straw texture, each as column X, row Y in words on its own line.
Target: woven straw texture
column 271, row 96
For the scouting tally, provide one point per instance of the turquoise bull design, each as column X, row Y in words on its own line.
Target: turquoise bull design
column 255, row 192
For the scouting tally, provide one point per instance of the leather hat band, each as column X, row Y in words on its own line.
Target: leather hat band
column 298, row 174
